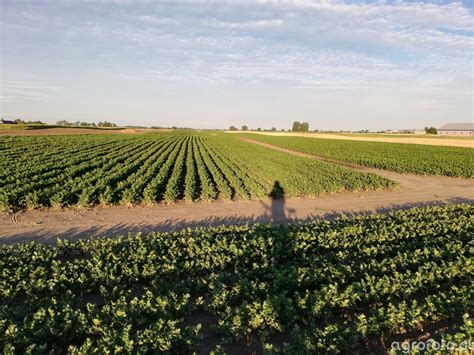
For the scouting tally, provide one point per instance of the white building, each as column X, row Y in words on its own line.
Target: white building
column 412, row 131
column 419, row 131
column 456, row 129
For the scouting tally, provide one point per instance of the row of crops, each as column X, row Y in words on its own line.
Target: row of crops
column 402, row 158
column 87, row 170
column 351, row 286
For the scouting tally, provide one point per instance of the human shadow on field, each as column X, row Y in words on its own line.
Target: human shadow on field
column 276, row 213
column 277, row 207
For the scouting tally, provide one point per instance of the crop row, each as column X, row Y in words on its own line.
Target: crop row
column 88, row 170
column 350, row 286
column 298, row 176
column 402, row 158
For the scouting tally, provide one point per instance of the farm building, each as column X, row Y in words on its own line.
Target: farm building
column 456, row 129
column 418, row 131
column 412, row 131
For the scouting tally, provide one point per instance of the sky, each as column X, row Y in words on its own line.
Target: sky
column 338, row 65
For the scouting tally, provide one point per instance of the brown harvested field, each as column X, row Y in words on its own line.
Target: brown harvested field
column 75, row 131
column 455, row 142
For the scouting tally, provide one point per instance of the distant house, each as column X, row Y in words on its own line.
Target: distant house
column 456, row 129
column 7, row 122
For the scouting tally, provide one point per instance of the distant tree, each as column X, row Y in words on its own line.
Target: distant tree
column 300, row 126
column 296, row 126
column 259, row 129
column 273, row 129
column 431, row 130
column 244, row 128
column 233, row 128
column 106, row 124
column 19, row 121
column 62, row 123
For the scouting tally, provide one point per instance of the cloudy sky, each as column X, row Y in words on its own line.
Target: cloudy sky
column 209, row 64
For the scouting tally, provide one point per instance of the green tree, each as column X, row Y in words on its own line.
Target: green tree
column 431, row 130
column 106, row 124
column 233, row 128
column 244, row 128
column 300, row 126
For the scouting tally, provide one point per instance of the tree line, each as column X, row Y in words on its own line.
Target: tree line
column 297, row 127
column 20, row 121
column 85, row 124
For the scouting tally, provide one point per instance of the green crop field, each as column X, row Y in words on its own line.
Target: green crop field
column 403, row 158
column 351, row 286
column 130, row 169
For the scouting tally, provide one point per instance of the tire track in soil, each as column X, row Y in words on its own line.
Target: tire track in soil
column 14, row 220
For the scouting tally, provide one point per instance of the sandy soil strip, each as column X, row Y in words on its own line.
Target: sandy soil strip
column 415, row 190
column 463, row 143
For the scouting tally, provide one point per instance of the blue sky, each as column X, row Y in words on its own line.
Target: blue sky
column 209, row 64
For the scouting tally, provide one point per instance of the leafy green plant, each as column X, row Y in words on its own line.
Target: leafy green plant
column 347, row 286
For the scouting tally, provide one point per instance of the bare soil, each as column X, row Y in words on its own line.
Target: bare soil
column 454, row 142
column 47, row 225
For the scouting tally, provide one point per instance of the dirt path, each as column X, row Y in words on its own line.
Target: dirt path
column 415, row 190
column 463, row 143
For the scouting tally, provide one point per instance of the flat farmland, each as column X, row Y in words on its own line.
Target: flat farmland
column 236, row 177
column 236, row 244
column 402, row 158
column 434, row 140
column 29, row 130
column 352, row 286
column 86, row 170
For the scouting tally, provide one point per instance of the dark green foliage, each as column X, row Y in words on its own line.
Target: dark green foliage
column 431, row 130
column 300, row 126
column 350, row 286
column 60, row 171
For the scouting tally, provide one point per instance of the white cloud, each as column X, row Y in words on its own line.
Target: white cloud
column 394, row 48
column 24, row 91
